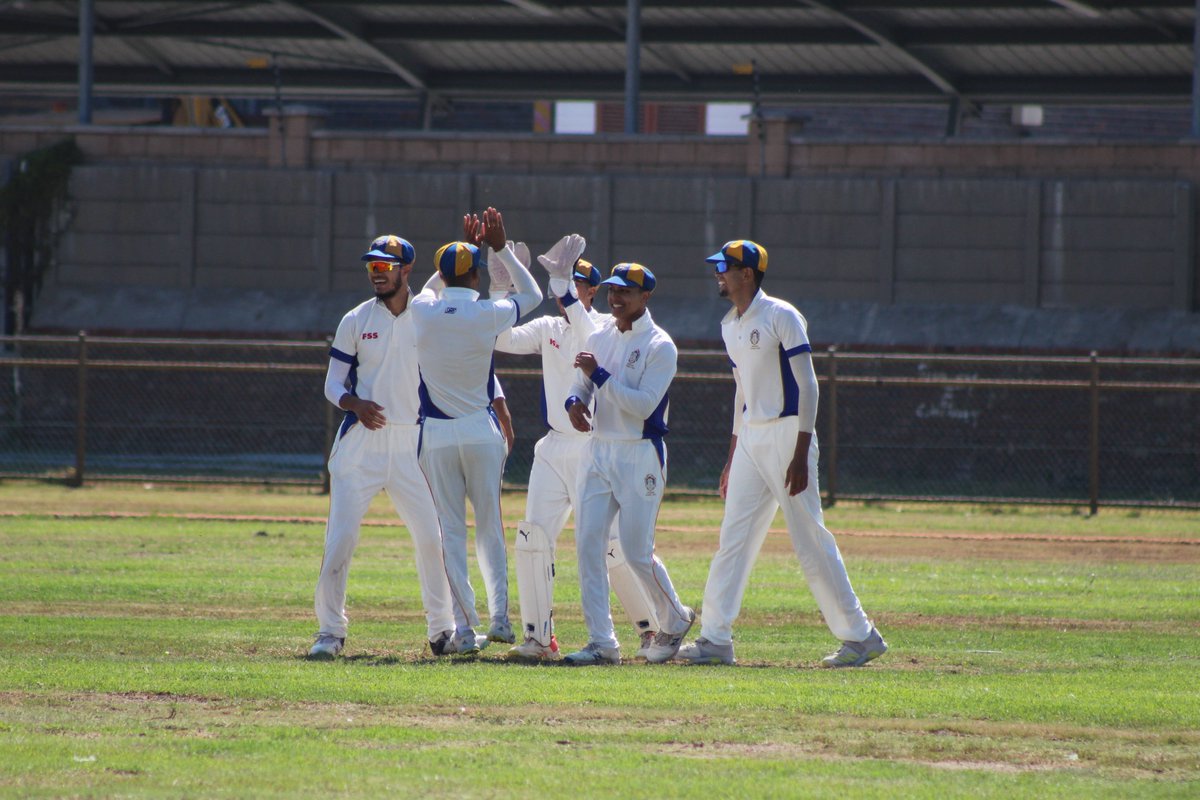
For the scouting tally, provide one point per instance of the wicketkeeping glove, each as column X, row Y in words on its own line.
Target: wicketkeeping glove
column 498, row 273
column 560, row 260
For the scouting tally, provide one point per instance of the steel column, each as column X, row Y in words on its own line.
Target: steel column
column 87, row 27
column 633, row 62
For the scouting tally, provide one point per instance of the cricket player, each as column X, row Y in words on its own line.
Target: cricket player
column 626, row 370
column 772, row 463
column 557, row 455
column 372, row 376
column 462, row 449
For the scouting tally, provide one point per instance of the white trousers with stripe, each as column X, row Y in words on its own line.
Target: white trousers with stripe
column 361, row 463
column 553, row 487
column 623, row 481
column 464, row 459
column 755, row 493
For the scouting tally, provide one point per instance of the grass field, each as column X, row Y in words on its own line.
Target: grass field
column 150, row 647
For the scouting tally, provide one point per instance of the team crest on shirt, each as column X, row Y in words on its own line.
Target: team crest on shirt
column 651, row 484
column 554, row 343
column 633, row 358
column 754, row 339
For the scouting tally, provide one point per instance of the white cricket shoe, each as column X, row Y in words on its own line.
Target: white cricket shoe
column 593, row 654
column 501, row 631
column 855, row 654
column 468, row 642
column 666, row 645
column 647, row 638
column 327, row 646
column 533, row 650
column 702, row 651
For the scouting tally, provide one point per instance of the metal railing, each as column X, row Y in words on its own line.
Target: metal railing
column 1089, row 430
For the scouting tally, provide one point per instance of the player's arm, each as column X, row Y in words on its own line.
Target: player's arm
column 526, row 295
column 504, row 417
column 581, row 323
column 794, row 338
column 739, row 403
column 661, row 364
column 521, row 339
column 579, row 397
column 343, row 355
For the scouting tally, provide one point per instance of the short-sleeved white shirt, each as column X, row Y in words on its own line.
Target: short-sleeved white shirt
column 456, row 336
column 760, row 344
column 381, row 349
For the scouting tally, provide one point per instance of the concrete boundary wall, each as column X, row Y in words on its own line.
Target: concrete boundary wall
column 235, row 237
column 1054, row 243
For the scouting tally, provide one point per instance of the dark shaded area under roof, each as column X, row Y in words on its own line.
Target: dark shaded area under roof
column 852, row 52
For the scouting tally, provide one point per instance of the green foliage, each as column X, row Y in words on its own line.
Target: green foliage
column 32, row 208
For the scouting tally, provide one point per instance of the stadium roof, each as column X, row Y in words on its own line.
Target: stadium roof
column 853, row 51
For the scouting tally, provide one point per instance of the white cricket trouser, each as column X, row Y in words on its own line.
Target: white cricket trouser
column 553, row 482
column 464, row 458
column 360, row 464
column 621, row 477
column 755, row 492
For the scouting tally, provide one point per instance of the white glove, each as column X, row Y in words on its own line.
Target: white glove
column 560, row 260
column 498, row 273
column 560, row 288
column 521, row 251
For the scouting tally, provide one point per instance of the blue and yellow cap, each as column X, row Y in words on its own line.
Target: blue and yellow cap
column 584, row 271
column 633, row 275
column 740, row 251
column 456, row 259
column 390, row 248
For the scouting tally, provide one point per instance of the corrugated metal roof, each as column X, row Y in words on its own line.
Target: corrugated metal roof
column 848, row 51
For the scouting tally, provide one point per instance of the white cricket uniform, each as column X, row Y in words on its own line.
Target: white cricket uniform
column 374, row 357
column 556, row 456
column 624, row 469
column 553, row 479
column 462, row 448
column 776, row 399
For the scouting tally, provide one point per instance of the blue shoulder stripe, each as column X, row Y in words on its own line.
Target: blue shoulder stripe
column 340, row 356
column 798, row 349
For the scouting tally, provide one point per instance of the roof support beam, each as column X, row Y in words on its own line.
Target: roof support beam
column 927, row 70
column 87, row 25
column 1196, row 73
column 344, row 30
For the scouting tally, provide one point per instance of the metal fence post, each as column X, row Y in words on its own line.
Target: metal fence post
column 833, row 427
column 330, row 429
column 1094, row 438
column 81, row 411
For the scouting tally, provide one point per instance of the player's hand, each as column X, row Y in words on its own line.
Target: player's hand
column 493, row 229
column 795, row 480
column 560, row 259
column 723, row 487
column 580, row 415
column 370, row 414
column 586, row 362
column 472, row 229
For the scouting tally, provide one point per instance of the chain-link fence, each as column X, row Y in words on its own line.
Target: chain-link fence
column 975, row 427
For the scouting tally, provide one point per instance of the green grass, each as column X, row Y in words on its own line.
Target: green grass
column 163, row 656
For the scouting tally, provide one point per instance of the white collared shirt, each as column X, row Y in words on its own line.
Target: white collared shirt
column 772, row 362
column 635, row 369
column 558, row 340
column 456, row 334
column 380, row 349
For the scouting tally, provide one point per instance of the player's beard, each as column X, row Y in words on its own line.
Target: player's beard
column 386, row 294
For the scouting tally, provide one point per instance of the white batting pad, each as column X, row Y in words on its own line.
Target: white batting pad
column 535, row 581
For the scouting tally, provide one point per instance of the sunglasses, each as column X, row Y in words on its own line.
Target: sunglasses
column 381, row 266
column 725, row 266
